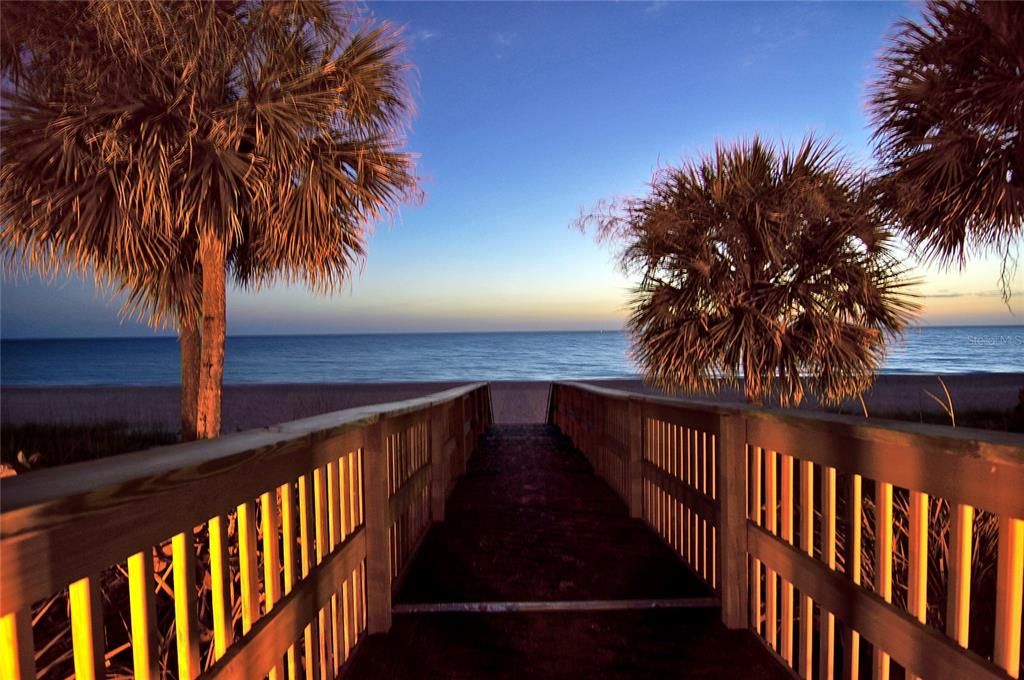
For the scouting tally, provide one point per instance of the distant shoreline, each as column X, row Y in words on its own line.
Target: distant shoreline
column 249, row 406
column 445, row 384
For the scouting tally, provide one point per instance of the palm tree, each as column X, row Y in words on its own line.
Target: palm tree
column 948, row 116
column 759, row 262
column 161, row 146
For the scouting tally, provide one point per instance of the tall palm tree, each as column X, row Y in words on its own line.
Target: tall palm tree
column 948, row 116
column 163, row 145
column 759, row 262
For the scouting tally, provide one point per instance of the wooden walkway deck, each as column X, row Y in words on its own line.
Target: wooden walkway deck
column 530, row 522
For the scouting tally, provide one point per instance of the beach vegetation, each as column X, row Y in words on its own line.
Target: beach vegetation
column 166, row 148
column 35, row 445
column 763, row 266
column 948, row 115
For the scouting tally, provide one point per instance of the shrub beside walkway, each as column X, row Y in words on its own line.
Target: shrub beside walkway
column 530, row 522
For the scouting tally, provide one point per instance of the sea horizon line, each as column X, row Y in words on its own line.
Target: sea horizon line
column 171, row 336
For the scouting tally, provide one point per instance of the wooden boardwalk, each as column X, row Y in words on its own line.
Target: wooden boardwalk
column 530, row 522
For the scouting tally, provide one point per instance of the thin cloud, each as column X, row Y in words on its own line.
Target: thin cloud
column 951, row 295
column 426, row 35
column 655, row 7
column 505, row 38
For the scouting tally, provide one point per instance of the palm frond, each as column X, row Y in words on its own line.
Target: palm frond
column 761, row 264
column 130, row 130
column 948, row 116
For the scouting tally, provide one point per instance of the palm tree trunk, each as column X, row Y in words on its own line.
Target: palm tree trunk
column 189, row 339
column 214, row 325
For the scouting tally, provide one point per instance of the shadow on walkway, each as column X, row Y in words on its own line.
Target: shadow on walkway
column 531, row 522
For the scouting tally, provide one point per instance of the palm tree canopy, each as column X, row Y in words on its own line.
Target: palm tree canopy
column 133, row 131
column 761, row 262
column 948, row 113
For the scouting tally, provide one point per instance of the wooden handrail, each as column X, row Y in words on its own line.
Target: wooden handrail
column 988, row 444
column 65, row 526
column 51, row 484
column 769, row 463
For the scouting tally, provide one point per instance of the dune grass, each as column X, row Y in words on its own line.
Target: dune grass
column 43, row 445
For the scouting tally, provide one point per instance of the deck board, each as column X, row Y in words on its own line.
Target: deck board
column 531, row 522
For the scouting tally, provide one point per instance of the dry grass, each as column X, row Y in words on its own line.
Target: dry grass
column 47, row 445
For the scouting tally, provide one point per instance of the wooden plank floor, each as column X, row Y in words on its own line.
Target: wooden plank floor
column 531, row 522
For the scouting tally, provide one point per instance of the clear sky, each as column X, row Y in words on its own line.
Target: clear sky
column 529, row 112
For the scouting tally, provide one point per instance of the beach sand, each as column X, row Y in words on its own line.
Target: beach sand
column 249, row 406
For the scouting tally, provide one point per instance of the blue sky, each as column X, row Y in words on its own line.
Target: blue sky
column 529, row 112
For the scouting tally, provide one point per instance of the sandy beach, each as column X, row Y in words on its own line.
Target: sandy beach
column 249, row 406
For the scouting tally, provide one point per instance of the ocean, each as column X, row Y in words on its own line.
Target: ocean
column 439, row 356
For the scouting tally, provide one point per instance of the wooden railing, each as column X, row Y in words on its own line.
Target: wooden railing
column 319, row 517
column 784, row 515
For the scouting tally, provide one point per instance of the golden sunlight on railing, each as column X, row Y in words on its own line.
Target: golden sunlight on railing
column 298, row 535
column 848, row 547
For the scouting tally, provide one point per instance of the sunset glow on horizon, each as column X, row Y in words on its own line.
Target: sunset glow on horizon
column 528, row 113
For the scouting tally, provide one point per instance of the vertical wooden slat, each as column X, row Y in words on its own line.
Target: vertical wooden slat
column 656, row 459
column 345, row 469
column 326, row 651
column 771, row 507
column 220, row 586
column 361, row 598
column 186, row 627
column 695, row 484
column 350, row 495
column 675, row 508
column 1009, row 595
column 705, row 538
column 87, row 627
column 346, row 604
column 644, row 455
column 360, row 486
column 958, row 598
column 17, row 656
column 688, row 533
column 271, row 559
column 679, row 456
column 757, row 472
column 917, row 569
column 464, row 449
column 142, row 606
column 660, row 452
column 854, row 521
column 333, row 538
column 787, row 536
column 311, row 634
column 288, row 558
column 715, row 442
column 807, row 545
column 663, row 449
column 439, row 467
column 698, row 523
column 247, row 562
column 827, row 620
column 883, row 564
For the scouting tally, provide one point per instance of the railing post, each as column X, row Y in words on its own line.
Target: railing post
column 378, row 555
column 732, row 530
column 635, row 473
column 439, row 466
